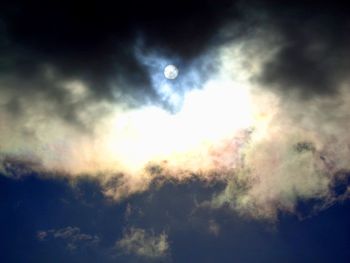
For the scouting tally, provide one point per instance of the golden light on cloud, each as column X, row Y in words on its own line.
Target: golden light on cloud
column 206, row 134
column 230, row 128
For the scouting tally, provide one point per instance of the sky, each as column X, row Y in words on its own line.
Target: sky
column 241, row 154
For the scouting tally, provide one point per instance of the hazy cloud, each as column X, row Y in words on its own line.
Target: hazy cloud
column 213, row 227
column 72, row 236
column 144, row 243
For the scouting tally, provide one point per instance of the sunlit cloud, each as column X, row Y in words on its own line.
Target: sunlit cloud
column 225, row 126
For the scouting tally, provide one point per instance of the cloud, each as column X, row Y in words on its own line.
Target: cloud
column 41, row 235
column 311, row 59
column 213, row 227
column 263, row 110
column 99, row 52
column 298, row 158
column 144, row 243
column 72, row 236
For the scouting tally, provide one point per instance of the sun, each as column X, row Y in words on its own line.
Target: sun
column 171, row 72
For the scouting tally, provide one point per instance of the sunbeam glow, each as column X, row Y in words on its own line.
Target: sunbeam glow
column 208, row 116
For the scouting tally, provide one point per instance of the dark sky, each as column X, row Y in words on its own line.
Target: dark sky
column 55, row 219
column 31, row 205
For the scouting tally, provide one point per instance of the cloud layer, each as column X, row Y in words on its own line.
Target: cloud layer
column 264, row 111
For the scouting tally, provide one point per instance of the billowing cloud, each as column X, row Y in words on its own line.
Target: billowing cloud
column 265, row 112
column 144, row 243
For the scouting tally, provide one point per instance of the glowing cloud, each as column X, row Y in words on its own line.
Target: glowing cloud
column 227, row 127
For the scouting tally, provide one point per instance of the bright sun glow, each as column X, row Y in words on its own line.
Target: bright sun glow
column 208, row 116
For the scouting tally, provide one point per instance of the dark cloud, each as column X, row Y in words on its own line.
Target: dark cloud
column 94, row 42
column 65, row 28
column 314, row 46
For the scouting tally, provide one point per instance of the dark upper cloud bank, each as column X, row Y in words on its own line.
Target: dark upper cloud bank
column 314, row 47
column 94, row 42
column 65, row 28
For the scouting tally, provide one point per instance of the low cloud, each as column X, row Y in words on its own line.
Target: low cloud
column 144, row 243
column 213, row 227
column 72, row 236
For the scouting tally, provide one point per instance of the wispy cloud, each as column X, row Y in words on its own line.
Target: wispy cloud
column 73, row 237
